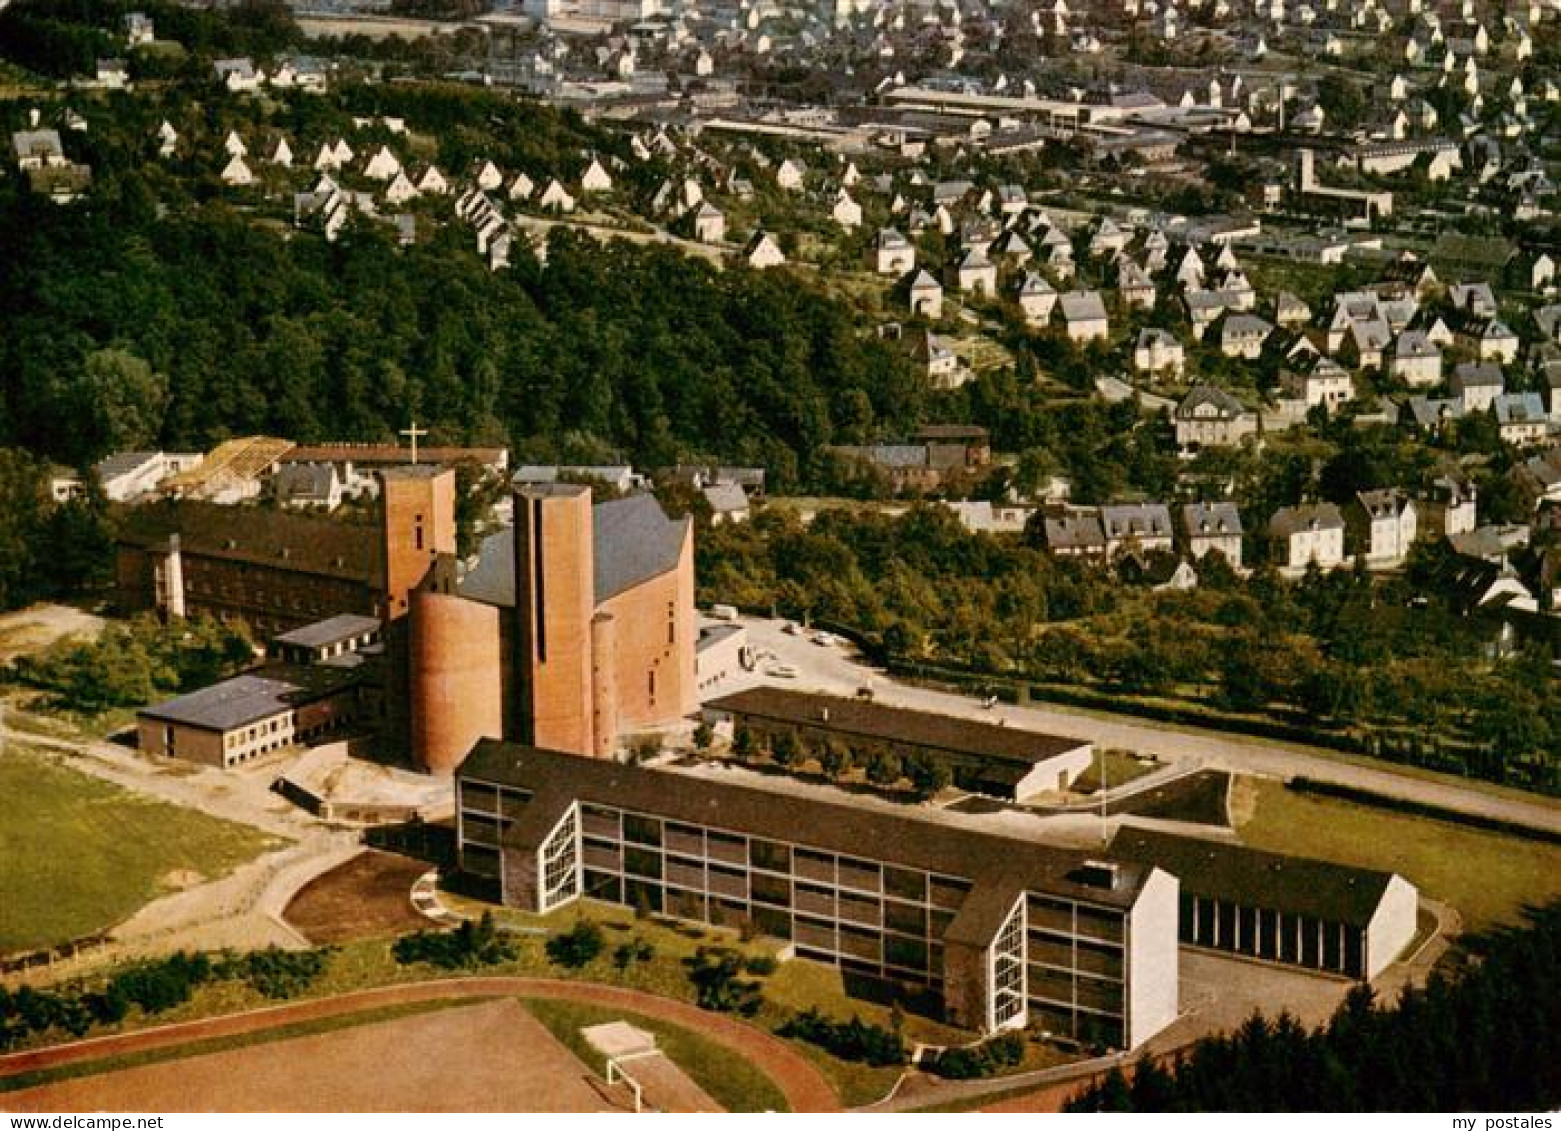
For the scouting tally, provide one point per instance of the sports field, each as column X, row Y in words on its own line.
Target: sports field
column 485, row 1056
column 80, row 854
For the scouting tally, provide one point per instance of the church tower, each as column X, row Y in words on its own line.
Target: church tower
column 555, row 603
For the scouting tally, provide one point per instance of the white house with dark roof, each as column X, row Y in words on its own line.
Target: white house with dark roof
column 1382, row 526
column 1416, row 360
column 1209, row 417
column 1243, row 336
column 1144, row 527
column 1477, row 384
column 1210, row 527
column 1158, row 352
column 1306, row 534
column 1084, row 316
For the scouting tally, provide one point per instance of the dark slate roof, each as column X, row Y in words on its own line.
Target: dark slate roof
column 332, row 630
column 557, row 780
column 1236, row 874
column 247, row 698
column 894, row 724
column 278, row 539
column 633, row 541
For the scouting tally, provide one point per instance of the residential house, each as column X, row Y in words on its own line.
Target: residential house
column 239, row 75
column 1416, row 360
column 762, row 251
column 1243, row 335
column 976, row 274
column 1135, row 286
column 789, row 175
column 1290, row 311
column 556, row 198
column 1084, row 316
column 595, row 179
column 1498, row 343
column 1158, row 352
column 1212, row 527
column 925, row 295
column 1520, row 418
column 1136, row 527
column 846, row 212
column 1075, row 534
column 728, row 503
column 709, row 224
column 1037, row 298
column 1308, row 533
column 893, row 254
column 1209, row 418
column 237, row 173
column 1477, row 384
column 944, row 367
column 1447, row 507
column 383, row 166
column 1381, row 526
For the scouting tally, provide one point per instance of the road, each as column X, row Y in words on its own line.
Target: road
column 837, row 670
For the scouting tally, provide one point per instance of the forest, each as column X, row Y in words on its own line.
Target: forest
column 1486, row 1038
column 1340, row 653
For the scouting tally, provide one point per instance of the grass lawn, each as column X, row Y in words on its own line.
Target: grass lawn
column 80, row 854
column 1488, row 877
column 1118, row 767
column 223, row 1044
column 729, row 1079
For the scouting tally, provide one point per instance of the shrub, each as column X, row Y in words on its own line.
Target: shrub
column 714, row 972
column 579, row 946
column 469, row 945
column 986, row 1059
column 849, row 1040
column 762, row 965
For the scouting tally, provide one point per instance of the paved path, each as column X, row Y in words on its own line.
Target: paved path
column 804, row 1087
column 835, row 671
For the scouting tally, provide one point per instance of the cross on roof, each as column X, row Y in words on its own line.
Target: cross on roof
column 412, row 434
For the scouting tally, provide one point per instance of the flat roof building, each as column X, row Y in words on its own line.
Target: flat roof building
column 1008, row 932
column 250, row 715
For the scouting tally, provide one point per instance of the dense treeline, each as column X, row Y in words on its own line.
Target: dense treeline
column 47, row 549
column 207, row 325
column 1342, row 650
column 1487, row 1039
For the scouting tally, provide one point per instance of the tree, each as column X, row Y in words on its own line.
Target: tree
column 118, row 404
column 704, row 736
column 835, row 758
column 883, row 768
column 928, row 775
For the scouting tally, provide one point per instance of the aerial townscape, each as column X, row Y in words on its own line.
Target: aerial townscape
column 730, row 556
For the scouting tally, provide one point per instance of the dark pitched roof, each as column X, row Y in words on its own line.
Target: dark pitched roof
column 633, row 541
column 557, row 780
column 894, row 724
column 279, row 539
column 1234, row 873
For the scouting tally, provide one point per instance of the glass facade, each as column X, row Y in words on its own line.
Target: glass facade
column 1057, row 962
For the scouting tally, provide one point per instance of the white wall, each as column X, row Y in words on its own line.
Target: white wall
column 1153, row 989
